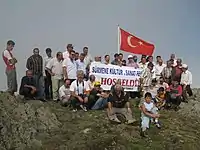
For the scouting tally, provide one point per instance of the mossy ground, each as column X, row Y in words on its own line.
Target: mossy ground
column 92, row 131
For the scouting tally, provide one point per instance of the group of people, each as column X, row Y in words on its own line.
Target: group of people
column 66, row 78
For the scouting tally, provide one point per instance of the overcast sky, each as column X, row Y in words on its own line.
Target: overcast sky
column 172, row 25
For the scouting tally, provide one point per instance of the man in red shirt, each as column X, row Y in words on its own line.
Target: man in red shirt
column 10, row 62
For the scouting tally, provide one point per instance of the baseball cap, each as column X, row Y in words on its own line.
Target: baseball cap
column 184, row 66
column 97, row 83
column 130, row 56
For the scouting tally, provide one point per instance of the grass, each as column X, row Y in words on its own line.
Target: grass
column 92, row 130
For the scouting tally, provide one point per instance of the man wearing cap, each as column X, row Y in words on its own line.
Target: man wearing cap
column 97, row 98
column 10, row 62
column 67, row 52
column 132, row 61
column 186, row 82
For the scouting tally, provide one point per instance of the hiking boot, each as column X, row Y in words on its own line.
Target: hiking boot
column 83, row 108
column 131, row 121
column 74, row 110
column 143, row 134
column 158, row 125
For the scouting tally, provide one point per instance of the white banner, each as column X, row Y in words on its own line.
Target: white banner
column 109, row 74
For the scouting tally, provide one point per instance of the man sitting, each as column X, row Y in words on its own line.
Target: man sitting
column 28, row 86
column 174, row 94
column 97, row 98
column 79, row 91
column 64, row 93
column 118, row 103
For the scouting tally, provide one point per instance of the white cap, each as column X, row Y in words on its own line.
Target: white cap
column 130, row 56
column 184, row 66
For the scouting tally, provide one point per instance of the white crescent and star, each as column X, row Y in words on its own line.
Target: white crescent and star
column 130, row 44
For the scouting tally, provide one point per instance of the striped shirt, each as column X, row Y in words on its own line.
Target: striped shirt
column 167, row 72
column 147, row 77
column 35, row 63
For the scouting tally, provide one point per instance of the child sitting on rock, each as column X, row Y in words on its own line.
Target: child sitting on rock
column 149, row 113
column 160, row 98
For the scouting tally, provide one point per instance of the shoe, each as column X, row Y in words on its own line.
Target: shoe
column 83, row 107
column 75, row 110
column 143, row 134
column 158, row 125
column 116, row 120
column 131, row 121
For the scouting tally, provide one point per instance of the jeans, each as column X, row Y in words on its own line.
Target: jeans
column 39, row 79
column 100, row 103
column 11, row 80
column 146, row 119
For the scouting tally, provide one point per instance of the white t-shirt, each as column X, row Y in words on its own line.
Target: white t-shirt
column 63, row 91
column 56, row 67
column 88, row 59
column 71, row 68
column 159, row 69
column 80, row 89
column 46, row 60
column 6, row 54
column 81, row 66
column 65, row 54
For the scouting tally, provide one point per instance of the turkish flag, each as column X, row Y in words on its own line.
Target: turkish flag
column 132, row 44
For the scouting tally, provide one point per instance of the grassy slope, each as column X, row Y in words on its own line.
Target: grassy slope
column 177, row 133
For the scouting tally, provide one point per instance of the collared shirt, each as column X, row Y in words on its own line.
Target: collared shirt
column 66, row 54
column 133, row 64
column 147, row 77
column 119, row 101
column 167, row 72
column 64, row 91
column 79, row 88
column 46, row 60
column 143, row 66
column 56, row 67
column 81, row 65
column 186, row 78
column 71, row 68
column 35, row 63
column 87, row 59
column 159, row 69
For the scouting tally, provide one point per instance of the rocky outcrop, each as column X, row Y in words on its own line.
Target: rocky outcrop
column 21, row 122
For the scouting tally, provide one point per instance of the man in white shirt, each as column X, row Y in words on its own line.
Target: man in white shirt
column 64, row 93
column 67, row 52
column 159, row 68
column 143, row 63
column 54, row 67
column 48, row 82
column 10, row 62
column 70, row 67
column 88, row 57
column 186, row 82
column 173, row 59
column 80, row 63
column 79, row 90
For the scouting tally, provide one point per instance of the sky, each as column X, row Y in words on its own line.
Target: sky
column 171, row 25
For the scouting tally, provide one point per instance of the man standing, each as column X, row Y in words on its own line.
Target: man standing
column 80, row 64
column 48, row 82
column 67, row 52
column 35, row 63
column 116, row 60
column 88, row 57
column 10, row 62
column 70, row 67
column 159, row 68
column 55, row 69
column 167, row 73
column 177, row 71
column 107, row 59
column 131, row 61
column 186, row 82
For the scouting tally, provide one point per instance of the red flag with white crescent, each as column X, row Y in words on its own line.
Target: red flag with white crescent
column 132, row 44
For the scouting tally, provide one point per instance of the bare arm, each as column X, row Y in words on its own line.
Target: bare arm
column 146, row 112
column 65, row 72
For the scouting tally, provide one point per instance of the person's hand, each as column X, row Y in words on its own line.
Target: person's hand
column 33, row 88
column 80, row 99
column 15, row 60
column 155, row 115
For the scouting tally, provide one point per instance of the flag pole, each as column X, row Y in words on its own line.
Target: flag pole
column 118, row 39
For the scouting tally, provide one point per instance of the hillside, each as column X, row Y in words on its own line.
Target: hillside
column 35, row 125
